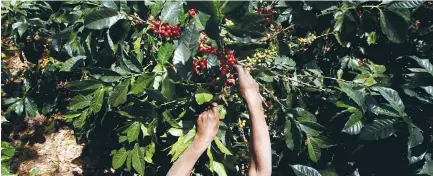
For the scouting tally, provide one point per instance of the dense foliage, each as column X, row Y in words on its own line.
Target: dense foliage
column 347, row 86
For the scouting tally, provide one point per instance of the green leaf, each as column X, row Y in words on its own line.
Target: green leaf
column 354, row 125
column 311, row 128
column 355, row 94
column 168, row 89
column 138, row 159
column 221, row 146
column 133, row 131
column 81, row 121
column 101, row 19
column 190, row 37
column 150, row 151
column 230, row 6
column 181, row 56
column 8, row 101
column 129, row 161
column 79, row 102
column 21, row 27
column 30, row 107
column 155, row 95
column 119, row 94
column 170, row 13
column 427, row 168
column 385, row 110
column 392, row 97
column 202, row 96
column 84, row 85
column 405, row 4
column 393, row 26
column 132, row 63
column 109, row 4
column 201, row 20
column 182, row 143
column 169, row 119
column 314, row 151
column 428, row 90
column 143, row 82
column 7, row 149
column 165, row 52
column 379, row 129
column 97, row 101
column 219, row 168
column 304, row 115
column 222, row 111
column 137, row 45
column 119, row 158
column 72, row 63
column 415, row 136
column 424, row 63
column 301, row 170
column 209, row 155
column 345, row 26
column 288, row 137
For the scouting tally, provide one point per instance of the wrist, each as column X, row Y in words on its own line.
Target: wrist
column 254, row 100
column 202, row 141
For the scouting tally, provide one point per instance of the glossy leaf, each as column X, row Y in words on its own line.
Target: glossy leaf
column 405, row 4
column 138, row 159
column 392, row 97
column 165, row 52
column 101, row 19
column 142, row 83
column 72, row 63
column 79, row 102
column 354, row 125
column 314, row 150
column 133, row 131
column 301, row 170
column 170, row 13
column 97, row 101
column 222, row 147
column 379, row 129
column 119, row 94
column 30, row 107
column 219, row 168
column 119, row 158
column 203, row 96
column 393, row 26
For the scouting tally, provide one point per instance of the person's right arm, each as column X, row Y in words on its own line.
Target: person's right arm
column 260, row 144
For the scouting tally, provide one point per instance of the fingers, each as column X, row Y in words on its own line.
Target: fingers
column 241, row 71
column 215, row 109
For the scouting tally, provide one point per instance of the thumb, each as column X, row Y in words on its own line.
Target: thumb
column 215, row 108
column 241, row 71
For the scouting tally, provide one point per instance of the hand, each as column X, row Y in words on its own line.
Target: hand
column 248, row 86
column 207, row 124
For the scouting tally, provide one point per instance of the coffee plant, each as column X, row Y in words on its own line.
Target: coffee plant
column 347, row 87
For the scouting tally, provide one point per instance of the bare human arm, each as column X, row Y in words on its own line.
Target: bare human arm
column 260, row 144
column 207, row 128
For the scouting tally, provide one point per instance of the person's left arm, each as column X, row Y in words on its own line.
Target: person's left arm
column 207, row 128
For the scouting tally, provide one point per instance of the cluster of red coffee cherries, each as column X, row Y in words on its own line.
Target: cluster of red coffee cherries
column 192, row 13
column 204, row 47
column 227, row 64
column 199, row 64
column 267, row 11
column 166, row 31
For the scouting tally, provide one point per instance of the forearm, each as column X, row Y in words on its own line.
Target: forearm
column 260, row 148
column 189, row 157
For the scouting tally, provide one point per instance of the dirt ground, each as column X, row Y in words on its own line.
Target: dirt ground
column 54, row 157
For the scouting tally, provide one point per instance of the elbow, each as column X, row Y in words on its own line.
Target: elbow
column 267, row 171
